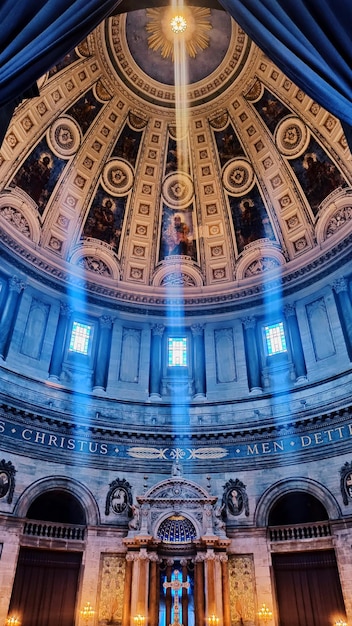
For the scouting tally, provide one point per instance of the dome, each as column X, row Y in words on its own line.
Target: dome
column 131, row 187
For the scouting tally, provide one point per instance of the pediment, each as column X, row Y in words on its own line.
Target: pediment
column 176, row 489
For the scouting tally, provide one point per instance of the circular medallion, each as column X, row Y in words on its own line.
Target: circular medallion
column 238, row 177
column 292, row 137
column 177, row 190
column 64, row 137
column 117, row 177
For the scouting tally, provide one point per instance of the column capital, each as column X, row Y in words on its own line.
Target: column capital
column 16, row 284
column 290, row 310
column 197, row 329
column 249, row 322
column 158, row 330
column 105, row 321
column 340, row 284
column 65, row 309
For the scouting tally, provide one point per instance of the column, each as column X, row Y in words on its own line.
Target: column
column 296, row 343
column 154, row 582
column 8, row 317
column 199, row 360
column 209, row 583
column 155, row 362
column 184, row 597
column 103, row 353
column 126, row 615
column 168, row 596
column 252, row 355
column 199, row 590
column 59, row 343
column 218, row 610
column 344, row 306
column 140, row 586
column 225, row 590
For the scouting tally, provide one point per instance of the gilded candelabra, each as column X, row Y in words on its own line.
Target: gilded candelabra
column 265, row 614
column 139, row 620
column 87, row 612
column 12, row 620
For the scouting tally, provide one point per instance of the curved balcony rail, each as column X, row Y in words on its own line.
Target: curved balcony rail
column 297, row 532
column 53, row 530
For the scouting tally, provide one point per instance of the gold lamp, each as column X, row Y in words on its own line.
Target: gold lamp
column 340, row 622
column 213, row 620
column 87, row 612
column 265, row 614
column 139, row 619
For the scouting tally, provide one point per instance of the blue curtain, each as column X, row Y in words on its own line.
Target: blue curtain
column 309, row 40
column 35, row 35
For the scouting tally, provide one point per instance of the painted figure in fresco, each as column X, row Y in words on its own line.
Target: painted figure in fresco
column 34, row 176
column 177, row 237
column 251, row 225
column 321, row 178
column 100, row 223
column 273, row 110
column 176, row 159
column 229, row 146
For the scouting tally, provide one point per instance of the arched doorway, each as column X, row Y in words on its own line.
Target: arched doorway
column 305, row 571
column 49, row 562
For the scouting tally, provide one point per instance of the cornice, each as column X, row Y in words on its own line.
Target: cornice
column 241, row 296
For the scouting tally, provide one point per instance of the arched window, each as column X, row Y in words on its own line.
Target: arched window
column 57, row 506
column 297, row 507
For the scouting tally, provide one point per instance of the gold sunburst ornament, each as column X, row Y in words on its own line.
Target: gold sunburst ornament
column 165, row 24
column 178, row 24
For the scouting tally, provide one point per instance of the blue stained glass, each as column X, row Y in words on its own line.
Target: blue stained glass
column 80, row 336
column 275, row 338
column 177, row 352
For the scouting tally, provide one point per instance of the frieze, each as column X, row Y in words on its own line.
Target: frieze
column 247, row 445
column 306, row 275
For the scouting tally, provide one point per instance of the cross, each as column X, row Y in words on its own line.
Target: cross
column 176, row 585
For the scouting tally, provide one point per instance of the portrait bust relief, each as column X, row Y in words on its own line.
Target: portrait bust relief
column 7, row 480
column 346, row 482
column 235, row 499
column 119, row 498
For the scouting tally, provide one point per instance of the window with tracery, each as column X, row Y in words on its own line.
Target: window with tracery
column 80, row 336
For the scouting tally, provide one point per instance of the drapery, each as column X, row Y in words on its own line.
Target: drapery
column 34, row 36
column 308, row 588
column 309, row 40
column 45, row 587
